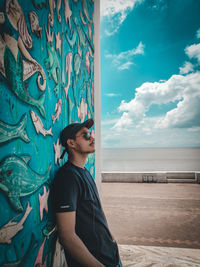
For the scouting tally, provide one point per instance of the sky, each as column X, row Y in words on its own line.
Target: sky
column 150, row 73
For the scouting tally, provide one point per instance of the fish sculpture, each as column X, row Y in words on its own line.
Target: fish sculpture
column 73, row 38
column 17, row 179
column 87, row 61
column 9, row 230
column 38, row 261
column 13, row 65
column 92, row 92
column 43, row 202
column 39, row 127
column 77, row 72
column 77, row 64
column 52, row 63
column 34, row 22
column 92, row 68
column 70, row 108
column 57, row 150
column 89, row 100
column 58, row 42
column 82, row 19
column 68, row 71
column 84, row 6
column 9, row 132
column 59, row 256
column 79, row 50
column 17, row 19
column 89, row 31
column 82, row 38
column 57, row 111
column 68, row 13
column 51, row 16
column 58, row 9
column 82, row 110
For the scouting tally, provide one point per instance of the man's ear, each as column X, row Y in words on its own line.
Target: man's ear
column 70, row 142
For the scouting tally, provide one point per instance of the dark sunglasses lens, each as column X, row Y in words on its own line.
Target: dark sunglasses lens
column 87, row 135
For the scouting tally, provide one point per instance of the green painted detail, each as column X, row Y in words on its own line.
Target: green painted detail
column 70, row 106
column 53, row 67
column 81, row 35
column 77, row 73
column 89, row 100
column 18, row 179
column 14, row 76
column 73, row 39
column 9, row 132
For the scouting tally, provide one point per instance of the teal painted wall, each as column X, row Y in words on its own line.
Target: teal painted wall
column 46, row 82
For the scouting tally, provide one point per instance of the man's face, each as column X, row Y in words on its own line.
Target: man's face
column 84, row 142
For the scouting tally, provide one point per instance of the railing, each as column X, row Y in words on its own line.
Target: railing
column 151, row 177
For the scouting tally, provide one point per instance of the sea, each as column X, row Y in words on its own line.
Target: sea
column 150, row 159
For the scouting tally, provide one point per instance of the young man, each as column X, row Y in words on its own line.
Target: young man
column 81, row 223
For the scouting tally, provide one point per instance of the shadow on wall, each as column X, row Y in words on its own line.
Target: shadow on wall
column 47, row 82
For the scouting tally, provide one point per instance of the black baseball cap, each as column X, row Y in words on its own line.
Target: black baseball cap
column 70, row 130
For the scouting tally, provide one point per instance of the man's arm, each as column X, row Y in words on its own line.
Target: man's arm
column 71, row 242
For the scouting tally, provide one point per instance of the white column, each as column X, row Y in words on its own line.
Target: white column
column 97, row 93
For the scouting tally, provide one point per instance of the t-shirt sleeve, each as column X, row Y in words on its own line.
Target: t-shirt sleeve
column 66, row 191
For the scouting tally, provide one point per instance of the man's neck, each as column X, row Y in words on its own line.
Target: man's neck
column 78, row 161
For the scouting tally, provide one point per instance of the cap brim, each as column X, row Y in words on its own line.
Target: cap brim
column 88, row 124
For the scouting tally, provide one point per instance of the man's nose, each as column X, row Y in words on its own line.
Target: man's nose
column 92, row 137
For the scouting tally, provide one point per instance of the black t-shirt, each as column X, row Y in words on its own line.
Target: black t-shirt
column 75, row 190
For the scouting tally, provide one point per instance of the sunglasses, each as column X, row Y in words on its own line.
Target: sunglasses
column 86, row 135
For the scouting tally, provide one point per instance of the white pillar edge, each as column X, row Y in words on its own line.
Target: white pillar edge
column 97, row 94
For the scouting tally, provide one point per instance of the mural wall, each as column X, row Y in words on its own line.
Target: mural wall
column 46, row 82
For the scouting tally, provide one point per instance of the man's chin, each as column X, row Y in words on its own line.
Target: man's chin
column 92, row 150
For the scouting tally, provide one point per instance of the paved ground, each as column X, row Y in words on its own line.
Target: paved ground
column 148, row 256
column 165, row 215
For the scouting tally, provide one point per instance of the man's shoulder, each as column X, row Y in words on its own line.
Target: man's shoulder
column 66, row 170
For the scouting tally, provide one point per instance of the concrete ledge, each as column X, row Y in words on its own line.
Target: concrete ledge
column 197, row 177
column 151, row 177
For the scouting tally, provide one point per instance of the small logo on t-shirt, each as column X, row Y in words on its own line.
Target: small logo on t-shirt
column 65, row 207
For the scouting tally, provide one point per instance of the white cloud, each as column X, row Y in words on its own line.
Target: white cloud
column 184, row 89
column 109, row 122
column 125, row 66
column 188, row 67
column 194, row 129
column 146, row 135
column 116, row 12
column 112, row 95
column 123, row 60
column 193, row 51
column 198, row 33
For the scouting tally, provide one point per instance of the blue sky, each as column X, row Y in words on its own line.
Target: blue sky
column 150, row 74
